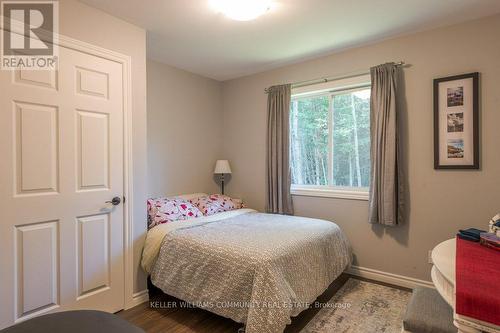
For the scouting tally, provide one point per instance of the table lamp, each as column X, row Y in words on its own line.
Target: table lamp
column 222, row 167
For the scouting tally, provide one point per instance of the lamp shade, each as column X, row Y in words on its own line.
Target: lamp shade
column 222, row 166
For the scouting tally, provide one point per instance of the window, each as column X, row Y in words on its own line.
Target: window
column 330, row 140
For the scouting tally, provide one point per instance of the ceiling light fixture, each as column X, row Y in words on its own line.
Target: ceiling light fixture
column 241, row 10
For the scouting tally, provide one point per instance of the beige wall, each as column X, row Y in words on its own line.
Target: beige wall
column 441, row 202
column 90, row 25
column 184, row 130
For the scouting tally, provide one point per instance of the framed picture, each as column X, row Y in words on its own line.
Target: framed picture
column 456, row 122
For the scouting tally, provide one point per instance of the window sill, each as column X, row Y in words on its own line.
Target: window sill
column 329, row 193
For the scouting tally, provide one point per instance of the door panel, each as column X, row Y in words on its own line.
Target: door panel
column 92, row 82
column 93, row 255
column 47, row 79
column 93, row 150
column 36, row 141
column 61, row 139
column 36, row 257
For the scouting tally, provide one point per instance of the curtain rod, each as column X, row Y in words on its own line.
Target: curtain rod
column 333, row 78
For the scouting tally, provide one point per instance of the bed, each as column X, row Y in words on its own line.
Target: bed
column 257, row 269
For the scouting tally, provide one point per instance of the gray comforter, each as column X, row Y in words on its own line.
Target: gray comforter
column 258, row 269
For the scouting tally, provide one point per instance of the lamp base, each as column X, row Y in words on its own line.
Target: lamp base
column 222, row 185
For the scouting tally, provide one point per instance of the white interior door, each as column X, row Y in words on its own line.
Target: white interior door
column 61, row 148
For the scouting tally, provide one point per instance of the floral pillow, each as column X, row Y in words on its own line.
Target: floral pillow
column 216, row 203
column 163, row 210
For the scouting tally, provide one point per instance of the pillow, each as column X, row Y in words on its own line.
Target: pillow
column 163, row 210
column 192, row 196
column 216, row 203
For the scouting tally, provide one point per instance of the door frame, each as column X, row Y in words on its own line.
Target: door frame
column 130, row 299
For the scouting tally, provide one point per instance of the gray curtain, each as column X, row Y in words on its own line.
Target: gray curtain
column 278, row 181
column 385, row 200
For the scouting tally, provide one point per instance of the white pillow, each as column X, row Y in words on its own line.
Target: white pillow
column 192, row 196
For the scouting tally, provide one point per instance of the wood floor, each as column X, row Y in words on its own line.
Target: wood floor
column 193, row 320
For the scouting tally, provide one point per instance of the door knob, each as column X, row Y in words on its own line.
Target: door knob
column 115, row 201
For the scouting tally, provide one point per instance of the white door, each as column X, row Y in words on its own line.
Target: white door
column 61, row 148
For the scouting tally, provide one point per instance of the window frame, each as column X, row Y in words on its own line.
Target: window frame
column 329, row 191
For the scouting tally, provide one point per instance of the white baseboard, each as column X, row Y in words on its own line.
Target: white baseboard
column 138, row 298
column 397, row 280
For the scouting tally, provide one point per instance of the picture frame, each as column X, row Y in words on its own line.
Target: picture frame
column 456, row 122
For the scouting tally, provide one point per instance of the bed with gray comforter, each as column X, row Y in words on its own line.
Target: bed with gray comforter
column 257, row 269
